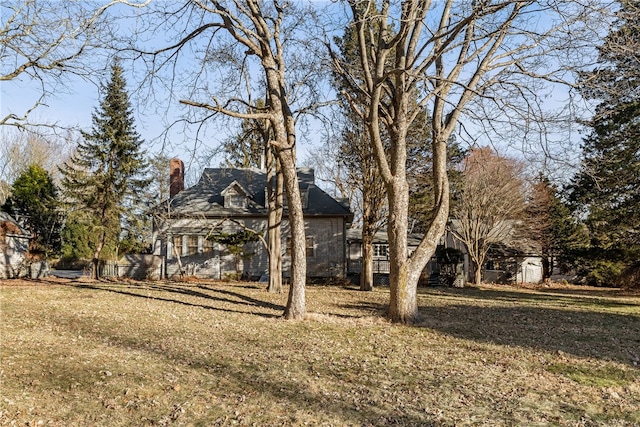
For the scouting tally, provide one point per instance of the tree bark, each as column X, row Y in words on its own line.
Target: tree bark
column 403, row 305
column 274, row 195
column 296, row 303
column 368, row 233
column 366, row 270
column 95, row 262
column 477, row 274
column 282, row 122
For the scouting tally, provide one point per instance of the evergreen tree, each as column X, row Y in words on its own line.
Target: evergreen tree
column 552, row 227
column 105, row 176
column 607, row 188
column 34, row 202
column 77, row 241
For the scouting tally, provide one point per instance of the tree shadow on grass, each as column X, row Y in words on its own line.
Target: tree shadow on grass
column 581, row 333
column 583, row 326
column 208, row 299
column 558, row 297
column 245, row 378
column 575, row 325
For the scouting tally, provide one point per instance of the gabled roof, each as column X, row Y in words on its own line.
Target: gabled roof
column 235, row 184
column 206, row 198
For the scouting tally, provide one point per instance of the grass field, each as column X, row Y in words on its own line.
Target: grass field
column 207, row 354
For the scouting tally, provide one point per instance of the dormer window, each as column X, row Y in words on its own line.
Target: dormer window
column 235, row 196
column 236, row 201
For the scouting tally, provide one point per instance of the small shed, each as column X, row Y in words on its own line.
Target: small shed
column 506, row 264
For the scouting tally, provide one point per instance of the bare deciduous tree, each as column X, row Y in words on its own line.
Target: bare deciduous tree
column 45, row 40
column 491, row 204
column 19, row 150
column 479, row 61
column 252, row 46
column 355, row 154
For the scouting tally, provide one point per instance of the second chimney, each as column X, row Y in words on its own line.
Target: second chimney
column 176, row 176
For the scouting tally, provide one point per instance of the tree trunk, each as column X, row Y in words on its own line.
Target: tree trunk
column 274, row 178
column 366, row 271
column 477, row 275
column 403, row 305
column 368, row 233
column 282, row 123
column 296, row 303
column 95, row 262
column 547, row 265
column 405, row 271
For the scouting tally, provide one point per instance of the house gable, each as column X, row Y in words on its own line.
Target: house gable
column 236, row 196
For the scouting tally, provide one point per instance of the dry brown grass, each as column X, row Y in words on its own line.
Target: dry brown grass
column 204, row 353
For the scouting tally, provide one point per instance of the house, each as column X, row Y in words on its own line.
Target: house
column 514, row 263
column 227, row 201
column 380, row 254
column 430, row 274
column 14, row 243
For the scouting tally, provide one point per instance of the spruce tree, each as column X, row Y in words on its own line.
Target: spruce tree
column 607, row 188
column 105, row 177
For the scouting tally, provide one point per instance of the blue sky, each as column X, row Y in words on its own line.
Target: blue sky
column 74, row 105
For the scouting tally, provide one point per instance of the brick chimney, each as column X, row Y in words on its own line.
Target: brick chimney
column 176, row 176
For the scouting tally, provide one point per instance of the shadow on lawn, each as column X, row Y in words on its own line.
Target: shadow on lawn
column 581, row 326
column 229, row 297
column 238, row 378
column 576, row 325
column 558, row 297
column 586, row 334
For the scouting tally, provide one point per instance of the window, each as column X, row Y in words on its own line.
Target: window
column 309, row 246
column 192, row 245
column 380, row 251
column 236, row 201
column 184, row 245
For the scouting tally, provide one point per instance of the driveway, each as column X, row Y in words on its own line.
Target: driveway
column 66, row 274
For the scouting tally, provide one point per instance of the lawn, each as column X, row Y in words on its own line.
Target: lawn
column 206, row 354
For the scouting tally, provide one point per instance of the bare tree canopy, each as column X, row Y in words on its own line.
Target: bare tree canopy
column 244, row 51
column 45, row 40
column 19, row 150
column 491, row 204
column 485, row 64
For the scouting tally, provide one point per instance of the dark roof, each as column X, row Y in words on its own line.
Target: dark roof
column 206, row 199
